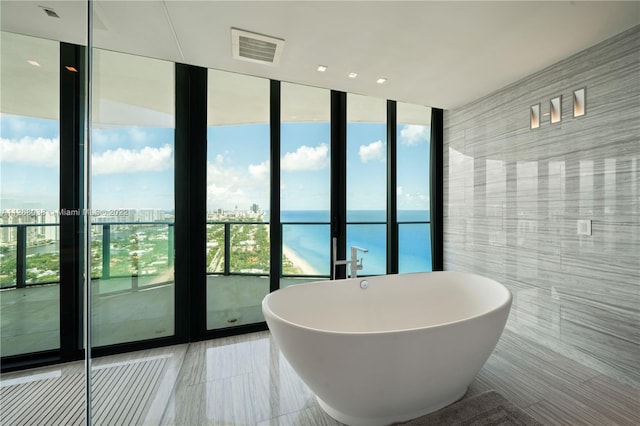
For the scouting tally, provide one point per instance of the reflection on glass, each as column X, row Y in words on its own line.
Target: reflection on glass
column 527, row 232
column 132, row 198
column 496, row 201
column 29, row 195
column 305, row 182
column 238, row 171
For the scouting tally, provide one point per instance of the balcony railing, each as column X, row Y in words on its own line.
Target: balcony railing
column 135, row 249
column 122, row 249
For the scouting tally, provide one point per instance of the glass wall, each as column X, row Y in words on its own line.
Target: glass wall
column 132, row 195
column 238, row 174
column 413, row 208
column 305, row 192
column 29, row 195
column 132, row 186
column 367, row 181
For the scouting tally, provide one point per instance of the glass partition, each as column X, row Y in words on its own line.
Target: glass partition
column 132, row 198
column 238, row 171
column 29, row 195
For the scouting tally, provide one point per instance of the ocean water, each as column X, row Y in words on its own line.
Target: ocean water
column 312, row 242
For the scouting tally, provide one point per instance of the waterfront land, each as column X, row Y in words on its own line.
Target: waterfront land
column 144, row 250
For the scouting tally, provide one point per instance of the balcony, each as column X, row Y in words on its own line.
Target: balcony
column 132, row 277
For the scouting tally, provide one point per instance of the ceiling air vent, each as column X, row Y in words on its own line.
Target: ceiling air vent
column 252, row 47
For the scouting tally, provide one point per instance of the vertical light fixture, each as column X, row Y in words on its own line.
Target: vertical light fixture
column 579, row 102
column 535, row 116
column 556, row 109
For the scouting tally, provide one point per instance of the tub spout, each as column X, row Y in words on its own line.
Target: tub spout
column 354, row 263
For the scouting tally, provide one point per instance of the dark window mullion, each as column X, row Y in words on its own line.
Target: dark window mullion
column 72, row 134
column 436, row 185
column 392, row 195
column 190, row 201
column 275, row 229
column 339, row 177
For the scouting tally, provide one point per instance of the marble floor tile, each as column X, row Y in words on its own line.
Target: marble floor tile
column 245, row 380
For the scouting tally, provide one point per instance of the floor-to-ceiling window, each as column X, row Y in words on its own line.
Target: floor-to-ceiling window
column 367, row 182
column 29, row 195
column 132, row 198
column 413, row 132
column 238, row 188
column 305, row 184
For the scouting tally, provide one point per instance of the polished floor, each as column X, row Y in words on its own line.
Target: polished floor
column 29, row 317
column 244, row 380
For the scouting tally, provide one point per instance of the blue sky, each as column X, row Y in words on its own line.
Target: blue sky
column 133, row 167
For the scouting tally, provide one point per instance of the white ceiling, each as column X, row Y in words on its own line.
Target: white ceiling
column 442, row 54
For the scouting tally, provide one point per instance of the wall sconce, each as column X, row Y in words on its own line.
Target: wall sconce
column 535, row 116
column 556, row 109
column 579, row 102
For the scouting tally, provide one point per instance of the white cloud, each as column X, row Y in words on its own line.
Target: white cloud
column 373, row 151
column 414, row 134
column 306, row 158
column 32, row 151
column 259, row 171
column 229, row 186
column 412, row 200
column 399, row 190
column 122, row 160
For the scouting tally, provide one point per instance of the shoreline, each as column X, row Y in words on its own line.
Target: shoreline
column 299, row 262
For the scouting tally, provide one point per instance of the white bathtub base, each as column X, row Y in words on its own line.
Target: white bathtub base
column 405, row 346
column 385, row 421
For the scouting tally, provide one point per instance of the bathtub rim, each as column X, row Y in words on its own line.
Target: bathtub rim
column 507, row 303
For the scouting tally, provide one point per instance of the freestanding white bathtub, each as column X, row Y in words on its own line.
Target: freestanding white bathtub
column 405, row 346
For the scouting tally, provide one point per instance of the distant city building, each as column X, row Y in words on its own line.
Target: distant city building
column 49, row 218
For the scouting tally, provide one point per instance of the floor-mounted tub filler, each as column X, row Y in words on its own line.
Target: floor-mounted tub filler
column 387, row 349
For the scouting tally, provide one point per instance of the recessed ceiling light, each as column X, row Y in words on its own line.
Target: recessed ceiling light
column 381, row 80
column 353, row 74
column 322, row 68
column 34, row 63
column 70, row 68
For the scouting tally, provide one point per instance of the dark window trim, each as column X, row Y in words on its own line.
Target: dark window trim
column 436, row 184
column 339, row 178
column 392, row 193
column 190, row 201
column 275, row 230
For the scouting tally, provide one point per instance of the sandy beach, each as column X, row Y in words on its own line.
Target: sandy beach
column 298, row 261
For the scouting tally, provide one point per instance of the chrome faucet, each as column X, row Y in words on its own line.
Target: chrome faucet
column 353, row 264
